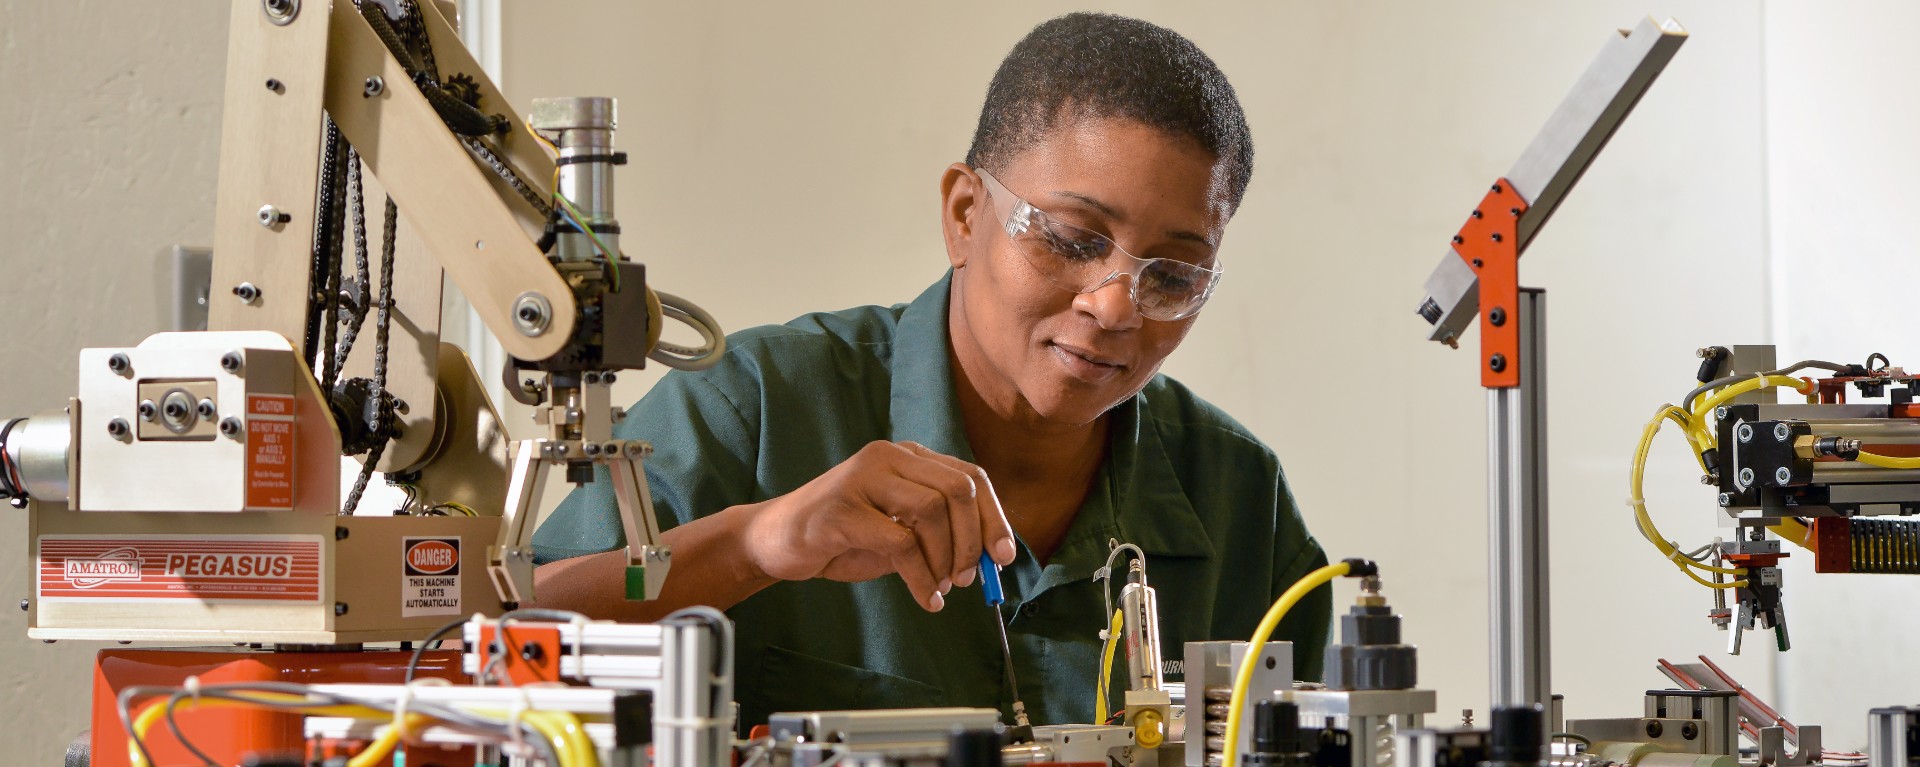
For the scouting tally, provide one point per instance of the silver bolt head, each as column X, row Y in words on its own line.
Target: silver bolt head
column 374, row 86
column 117, row 427
column 591, row 448
column 1746, row 476
column 1782, row 432
column 560, row 449
column 230, row 426
column 207, row 408
column 1726, row 499
column 119, row 363
column 1721, row 413
column 147, row 410
column 231, row 362
column 1744, row 432
column 1782, row 475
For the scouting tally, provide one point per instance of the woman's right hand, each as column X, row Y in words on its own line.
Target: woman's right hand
column 894, row 507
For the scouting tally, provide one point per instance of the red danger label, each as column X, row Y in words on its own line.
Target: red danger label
column 210, row 569
column 433, row 556
column 269, row 452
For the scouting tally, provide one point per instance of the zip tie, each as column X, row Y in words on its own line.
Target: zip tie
column 579, row 623
column 514, row 717
column 690, row 721
column 400, row 713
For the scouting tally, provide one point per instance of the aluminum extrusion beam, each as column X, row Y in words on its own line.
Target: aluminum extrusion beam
column 1559, row 154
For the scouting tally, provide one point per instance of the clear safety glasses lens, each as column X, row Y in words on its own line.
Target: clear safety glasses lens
column 1083, row 261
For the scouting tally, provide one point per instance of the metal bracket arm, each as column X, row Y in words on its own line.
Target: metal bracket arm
column 1489, row 244
column 478, row 237
column 1563, row 149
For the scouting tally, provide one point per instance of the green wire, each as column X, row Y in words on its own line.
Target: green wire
column 613, row 269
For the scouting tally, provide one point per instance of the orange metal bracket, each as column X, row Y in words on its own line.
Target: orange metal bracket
column 1490, row 243
column 533, row 654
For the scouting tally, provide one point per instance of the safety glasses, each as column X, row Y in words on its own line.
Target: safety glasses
column 1082, row 261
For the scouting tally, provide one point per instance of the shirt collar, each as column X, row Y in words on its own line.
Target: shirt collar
column 922, row 405
column 1145, row 502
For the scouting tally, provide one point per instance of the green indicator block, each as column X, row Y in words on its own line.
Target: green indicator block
column 637, row 582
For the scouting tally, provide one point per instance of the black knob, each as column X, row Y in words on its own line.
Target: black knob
column 1517, row 735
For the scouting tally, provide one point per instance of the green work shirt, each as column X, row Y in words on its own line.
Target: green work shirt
column 1192, row 488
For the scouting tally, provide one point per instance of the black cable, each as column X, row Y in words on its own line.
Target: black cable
column 13, row 488
column 413, row 663
column 173, row 725
column 1687, row 404
column 123, row 705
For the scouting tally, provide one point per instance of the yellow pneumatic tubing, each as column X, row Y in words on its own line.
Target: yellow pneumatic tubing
column 1244, row 679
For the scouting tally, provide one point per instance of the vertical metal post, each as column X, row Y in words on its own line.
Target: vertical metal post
column 1517, row 519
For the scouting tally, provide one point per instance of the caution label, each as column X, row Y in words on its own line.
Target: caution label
column 269, row 452
column 213, row 568
column 430, row 577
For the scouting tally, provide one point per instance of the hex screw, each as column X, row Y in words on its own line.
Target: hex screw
column 120, row 363
column 271, row 217
column 176, row 410
column 1782, row 475
column 247, row 292
column 1746, row 477
column 1726, row 499
column 1744, row 432
column 1654, row 728
column 339, row 608
column 207, row 409
column 1782, row 432
column 611, row 448
column 117, row 428
column 374, row 87
column 1498, row 316
column 231, row 362
column 619, row 414
column 1498, row 363
column 591, row 449
column 531, row 652
column 341, row 533
column 607, row 378
column 590, row 378
column 23, row 605
column 1689, row 730
column 1720, row 413
column 146, row 410
column 230, row 426
column 274, row 85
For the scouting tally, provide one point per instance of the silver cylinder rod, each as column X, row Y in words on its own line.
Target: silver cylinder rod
column 585, row 126
column 1517, row 521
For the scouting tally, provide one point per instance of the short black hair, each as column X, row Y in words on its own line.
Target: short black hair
column 1102, row 65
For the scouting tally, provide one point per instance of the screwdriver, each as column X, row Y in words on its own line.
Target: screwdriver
column 990, row 583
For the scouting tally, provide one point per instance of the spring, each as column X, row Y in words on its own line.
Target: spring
column 1383, row 743
column 1885, row 546
column 1214, row 724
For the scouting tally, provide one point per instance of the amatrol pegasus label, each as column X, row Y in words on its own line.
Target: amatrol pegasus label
column 215, row 568
column 430, row 576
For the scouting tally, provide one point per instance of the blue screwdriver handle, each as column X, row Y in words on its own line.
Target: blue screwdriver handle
column 990, row 580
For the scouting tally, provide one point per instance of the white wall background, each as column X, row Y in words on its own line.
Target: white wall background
column 784, row 160
column 108, row 150
column 1841, row 163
